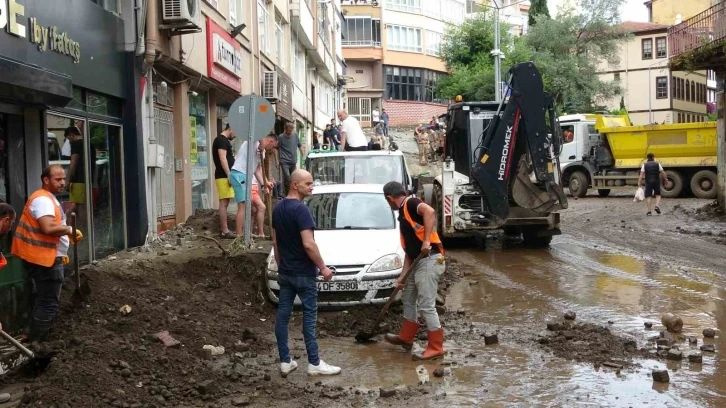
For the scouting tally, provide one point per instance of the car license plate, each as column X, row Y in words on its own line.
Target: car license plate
column 341, row 286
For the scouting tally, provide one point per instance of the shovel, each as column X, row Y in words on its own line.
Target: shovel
column 364, row 336
column 78, row 297
column 37, row 363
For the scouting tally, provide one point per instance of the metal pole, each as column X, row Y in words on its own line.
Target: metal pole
column 497, row 59
column 250, row 172
column 650, row 99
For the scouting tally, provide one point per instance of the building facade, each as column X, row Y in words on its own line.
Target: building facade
column 65, row 64
column 651, row 92
column 196, row 67
column 513, row 13
column 392, row 51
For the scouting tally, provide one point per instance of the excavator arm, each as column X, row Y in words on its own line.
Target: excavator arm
column 516, row 156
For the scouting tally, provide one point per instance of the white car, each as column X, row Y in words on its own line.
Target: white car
column 357, row 233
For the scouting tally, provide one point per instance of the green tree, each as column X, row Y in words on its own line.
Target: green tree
column 466, row 49
column 538, row 8
column 570, row 49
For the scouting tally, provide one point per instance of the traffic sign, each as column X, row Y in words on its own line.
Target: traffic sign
column 243, row 108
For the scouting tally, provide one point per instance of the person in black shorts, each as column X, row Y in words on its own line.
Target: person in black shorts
column 652, row 172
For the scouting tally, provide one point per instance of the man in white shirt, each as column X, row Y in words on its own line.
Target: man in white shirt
column 41, row 241
column 238, row 176
column 375, row 116
column 352, row 138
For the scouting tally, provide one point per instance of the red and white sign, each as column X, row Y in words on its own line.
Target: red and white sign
column 224, row 56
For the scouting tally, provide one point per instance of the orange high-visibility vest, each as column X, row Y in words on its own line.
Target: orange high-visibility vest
column 29, row 243
column 419, row 229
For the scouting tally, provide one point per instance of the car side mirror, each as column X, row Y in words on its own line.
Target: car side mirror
column 414, row 184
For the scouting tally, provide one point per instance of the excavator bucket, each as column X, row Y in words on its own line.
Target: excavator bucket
column 528, row 195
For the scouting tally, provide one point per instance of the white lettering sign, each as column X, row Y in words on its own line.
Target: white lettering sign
column 505, row 153
column 226, row 55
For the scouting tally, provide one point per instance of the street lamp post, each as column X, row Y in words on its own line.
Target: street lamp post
column 497, row 52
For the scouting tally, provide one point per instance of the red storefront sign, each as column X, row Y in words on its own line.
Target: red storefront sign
column 224, row 56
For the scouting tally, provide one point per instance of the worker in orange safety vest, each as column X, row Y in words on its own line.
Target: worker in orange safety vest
column 41, row 241
column 419, row 240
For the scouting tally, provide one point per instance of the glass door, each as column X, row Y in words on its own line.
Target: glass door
column 107, row 192
column 68, row 136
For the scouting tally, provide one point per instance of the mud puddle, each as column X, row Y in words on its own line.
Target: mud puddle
column 516, row 292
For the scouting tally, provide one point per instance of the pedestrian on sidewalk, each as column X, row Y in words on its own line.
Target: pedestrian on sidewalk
column 41, row 241
column 418, row 237
column 384, row 119
column 375, row 116
column 352, row 137
column 288, row 143
column 239, row 178
column 422, row 138
column 653, row 173
column 223, row 162
column 380, row 133
column 337, row 134
column 298, row 261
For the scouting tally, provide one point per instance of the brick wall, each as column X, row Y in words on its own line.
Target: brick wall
column 410, row 113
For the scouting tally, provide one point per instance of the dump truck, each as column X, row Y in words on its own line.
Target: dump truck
column 606, row 152
column 499, row 174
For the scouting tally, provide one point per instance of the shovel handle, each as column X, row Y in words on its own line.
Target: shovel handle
column 17, row 344
column 76, row 261
column 406, row 274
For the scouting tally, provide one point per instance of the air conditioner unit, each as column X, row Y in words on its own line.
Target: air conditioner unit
column 269, row 87
column 181, row 14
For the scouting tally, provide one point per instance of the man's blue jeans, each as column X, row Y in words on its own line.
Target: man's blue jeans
column 306, row 288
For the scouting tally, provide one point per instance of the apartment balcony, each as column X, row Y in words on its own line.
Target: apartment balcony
column 699, row 42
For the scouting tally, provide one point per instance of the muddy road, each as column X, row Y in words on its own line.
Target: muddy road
column 614, row 267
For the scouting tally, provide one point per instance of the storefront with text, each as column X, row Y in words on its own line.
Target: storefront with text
column 61, row 69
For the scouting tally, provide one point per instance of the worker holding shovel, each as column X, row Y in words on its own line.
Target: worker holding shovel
column 41, row 240
column 418, row 238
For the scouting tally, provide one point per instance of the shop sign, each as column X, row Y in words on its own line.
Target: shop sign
column 224, row 56
column 46, row 37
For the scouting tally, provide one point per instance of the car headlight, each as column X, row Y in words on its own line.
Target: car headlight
column 271, row 268
column 386, row 263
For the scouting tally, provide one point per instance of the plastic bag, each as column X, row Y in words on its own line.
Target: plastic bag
column 639, row 195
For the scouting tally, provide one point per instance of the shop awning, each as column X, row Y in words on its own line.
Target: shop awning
column 34, row 85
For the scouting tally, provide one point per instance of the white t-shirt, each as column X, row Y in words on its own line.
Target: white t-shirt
column 240, row 162
column 376, row 115
column 354, row 134
column 42, row 207
column 642, row 168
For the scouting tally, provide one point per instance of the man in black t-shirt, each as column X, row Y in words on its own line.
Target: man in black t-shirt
column 420, row 241
column 223, row 158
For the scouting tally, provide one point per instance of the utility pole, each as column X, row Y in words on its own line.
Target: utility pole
column 498, row 55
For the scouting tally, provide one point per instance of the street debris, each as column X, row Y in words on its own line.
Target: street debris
column 423, row 375
column 708, row 347
column 387, row 392
column 695, row 357
column 570, row 315
column 587, row 342
column 491, row 338
column 709, row 333
column 675, row 354
column 125, row 309
column 648, row 325
column 166, row 338
column 661, row 376
column 672, row 322
column 214, row 350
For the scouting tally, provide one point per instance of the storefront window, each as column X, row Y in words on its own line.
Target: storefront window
column 199, row 152
column 103, row 105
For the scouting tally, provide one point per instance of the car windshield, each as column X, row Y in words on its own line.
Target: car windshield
column 357, row 169
column 355, row 211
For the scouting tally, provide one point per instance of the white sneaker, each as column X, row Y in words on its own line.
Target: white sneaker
column 323, row 368
column 287, row 368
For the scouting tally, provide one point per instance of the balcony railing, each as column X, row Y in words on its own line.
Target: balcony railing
column 360, row 2
column 699, row 30
column 361, row 43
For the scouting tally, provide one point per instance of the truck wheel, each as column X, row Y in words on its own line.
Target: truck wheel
column 578, row 184
column 603, row 192
column 673, row 187
column 703, row 184
column 532, row 240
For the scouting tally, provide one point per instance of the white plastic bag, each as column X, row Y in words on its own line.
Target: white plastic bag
column 639, row 195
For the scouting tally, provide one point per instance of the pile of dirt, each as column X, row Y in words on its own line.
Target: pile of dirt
column 107, row 358
column 587, row 342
